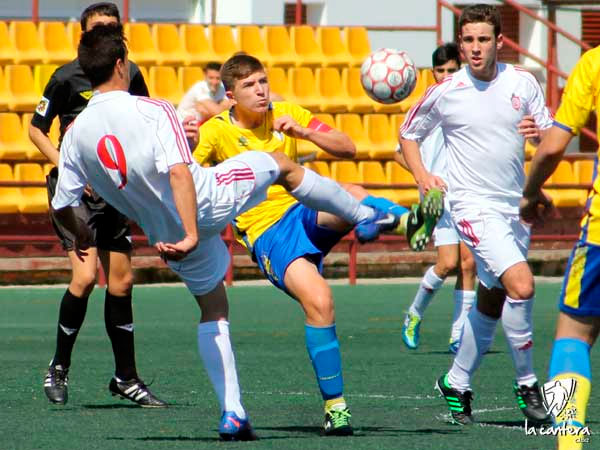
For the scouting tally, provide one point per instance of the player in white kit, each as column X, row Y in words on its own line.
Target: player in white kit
column 451, row 252
column 485, row 111
column 132, row 151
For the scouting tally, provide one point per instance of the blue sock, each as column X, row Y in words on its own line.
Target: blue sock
column 383, row 204
column 324, row 351
column 570, row 355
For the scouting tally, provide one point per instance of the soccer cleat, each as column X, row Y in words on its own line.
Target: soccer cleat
column 369, row 229
column 136, row 391
column 531, row 403
column 423, row 218
column 232, row 428
column 337, row 422
column 410, row 330
column 55, row 384
column 453, row 346
column 459, row 403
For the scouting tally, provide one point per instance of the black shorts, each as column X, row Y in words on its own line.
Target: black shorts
column 110, row 229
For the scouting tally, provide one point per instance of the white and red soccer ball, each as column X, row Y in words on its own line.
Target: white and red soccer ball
column 388, row 75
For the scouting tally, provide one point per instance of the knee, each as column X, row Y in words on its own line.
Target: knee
column 82, row 284
column 358, row 192
column 320, row 310
column 444, row 266
column 521, row 290
column 121, row 284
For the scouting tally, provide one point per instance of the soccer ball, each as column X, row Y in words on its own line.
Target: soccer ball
column 388, row 75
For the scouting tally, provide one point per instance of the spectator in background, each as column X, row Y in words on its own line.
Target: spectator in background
column 205, row 98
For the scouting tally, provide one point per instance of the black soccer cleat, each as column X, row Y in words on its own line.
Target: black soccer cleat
column 55, row 384
column 423, row 218
column 337, row 422
column 459, row 403
column 531, row 403
column 136, row 391
column 232, row 428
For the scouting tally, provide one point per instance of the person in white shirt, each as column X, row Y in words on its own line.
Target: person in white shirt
column 452, row 253
column 205, row 98
column 485, row 112
column 132, row 151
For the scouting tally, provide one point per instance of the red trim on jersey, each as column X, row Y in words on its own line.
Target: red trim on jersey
column 468, row 231
column 317, row 125
column 182, row 146
column 415, row 109
column 234, row 175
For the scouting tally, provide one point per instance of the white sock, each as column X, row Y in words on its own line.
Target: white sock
column 430, row 284
column 322, row 194
column 463, row 302
column 215, row 350
column 478, row 334
column 518, row 329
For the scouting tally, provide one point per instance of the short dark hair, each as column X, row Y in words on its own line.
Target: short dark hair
column 212, row 66
column 98, row 51
column 481, row 13
column 445, row 53
column 238, row 67
column 103, row 9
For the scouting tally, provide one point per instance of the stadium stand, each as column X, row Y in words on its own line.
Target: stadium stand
column 567, row 197
column 352, row 125
column 357, row 43
column 251, row 42
column 56, row 43
column 33, row 199
column 344, row 172
column 8, row 52
column 381, row 135
column 397, row 175
column 222, row 41
column 4, row 95
column 163, row 83
column 10, row 196
column 142, row 49
column 74, row 33
column 278, row 81
column 335, row 53
column 28, row 46
column 308, row 52
column 12, row 142
column 279, row 46
column 41, row 75
column 196, row 44
column 303, row 88
column 321, row 167
column 357, row 101
column 21, row 88
column 331, row 91
column 169, row 45
column 188, row 76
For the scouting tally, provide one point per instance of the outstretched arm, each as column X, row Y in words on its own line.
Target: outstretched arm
column 412, row 158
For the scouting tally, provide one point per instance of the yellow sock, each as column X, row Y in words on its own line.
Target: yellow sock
column 401, row 228
column 573, row 415
column 338, row 402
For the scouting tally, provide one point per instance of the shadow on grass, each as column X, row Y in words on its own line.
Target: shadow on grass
column 361, row 431
column 446, row 352
column 116, row 406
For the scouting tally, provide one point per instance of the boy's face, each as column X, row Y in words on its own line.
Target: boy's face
column 442, row 71
column 480, row 48
column 252, row 92
column 99, row 19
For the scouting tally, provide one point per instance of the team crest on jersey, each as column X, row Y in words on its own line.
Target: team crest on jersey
column 42, row 107
column 516, row 102
column 242, row 141
column 86, row 94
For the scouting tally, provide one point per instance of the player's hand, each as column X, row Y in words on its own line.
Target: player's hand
column 528, row 129
column 536, row 208
column 431, row 181
column 192, row 133
column 286, row 124
column 178, row 250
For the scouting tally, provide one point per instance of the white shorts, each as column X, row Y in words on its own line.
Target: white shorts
column 445, row 232
column 497, row 240
column 239, row 183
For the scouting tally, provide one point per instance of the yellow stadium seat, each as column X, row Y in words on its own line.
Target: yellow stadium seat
column 169, row 45
column 357, row 43
column 31, row 151
column 141, row 46
column 33, row 199
column 303, row 88
column 308, row 52
column 396, row 174
column 163, row 84
column 56, row 43
column 10, row 197
column 251, row 41
column 344, row 172
column 583, row 170
column 352, row 125
column 335, row 51
column 279, row 46
column 566, row 197
column 222, row 42
column 321, row 167
column 428, row 78
column 188, row 76
column 372, row 172
column 74, row 34
column 420, row 88
column 12, row 144
column 530, row 149
column 4, row 95
column 144, row 72
column 27, row 43
column 278, row 81
column 41, row 75
column 329, row 85
column 8, row 53
column 54, row 133
column 396, row 121
column 196, row 44
column 381, row 136
column 306, row 147
column 21, row 88
column 47, row 168
column 358, row 101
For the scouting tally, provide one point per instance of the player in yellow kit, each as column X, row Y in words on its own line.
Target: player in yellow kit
column 579, row 317
column 287, row 240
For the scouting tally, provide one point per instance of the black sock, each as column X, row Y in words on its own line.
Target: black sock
column 70, row 318
column 118, row 318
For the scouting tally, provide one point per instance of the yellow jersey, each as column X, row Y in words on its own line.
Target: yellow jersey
column 220, row 139
column 579, row 99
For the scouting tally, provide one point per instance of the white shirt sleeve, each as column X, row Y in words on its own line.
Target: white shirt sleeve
column 172, row 145
column 537, row 104
column 71, row 178
column 424, row 116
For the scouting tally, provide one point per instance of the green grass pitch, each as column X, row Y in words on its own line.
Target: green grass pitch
column 389, row 389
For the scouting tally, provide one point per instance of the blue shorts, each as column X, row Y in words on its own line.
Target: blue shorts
column 580, row 293
column 294, row 236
